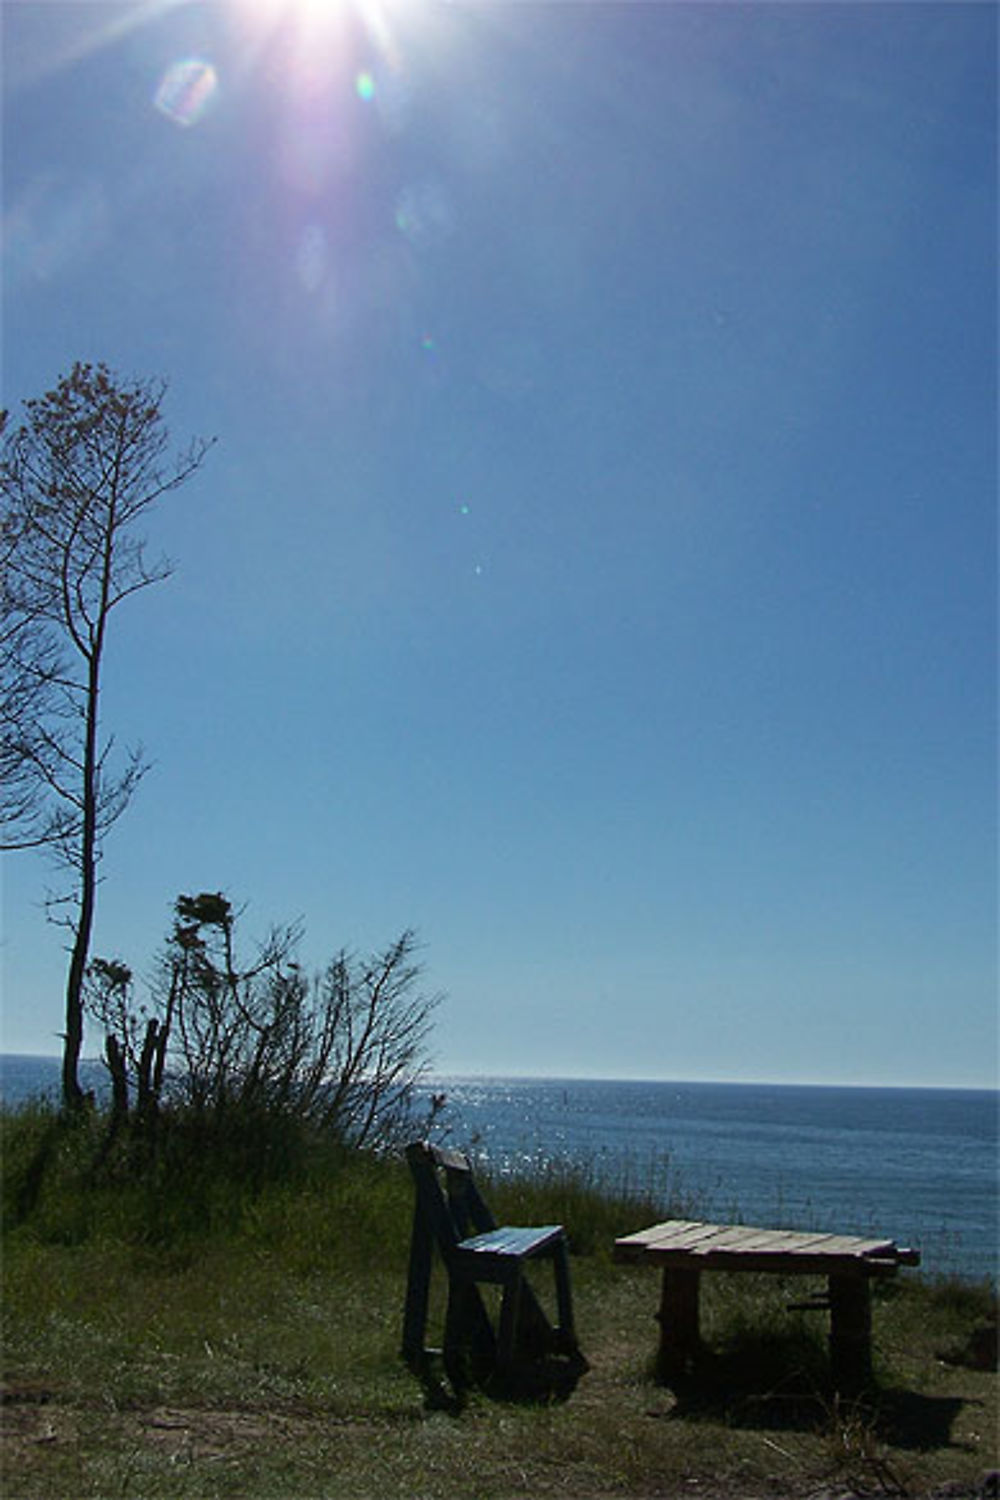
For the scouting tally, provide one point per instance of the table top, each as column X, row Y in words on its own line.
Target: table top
column 690, row 1245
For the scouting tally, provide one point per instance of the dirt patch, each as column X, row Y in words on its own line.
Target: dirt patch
column 36, row 1423
column 197, row 1434
column 32, row 1418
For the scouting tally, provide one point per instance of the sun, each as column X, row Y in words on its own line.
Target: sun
column 320, row 28
column 311, row 16
column 316, row 16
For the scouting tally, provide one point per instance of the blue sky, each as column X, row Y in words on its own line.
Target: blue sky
column 596, row 567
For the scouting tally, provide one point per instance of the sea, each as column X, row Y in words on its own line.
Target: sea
column 919, row 1166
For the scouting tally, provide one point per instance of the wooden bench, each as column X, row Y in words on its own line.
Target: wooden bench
column 450, row 1214
column 683, row 1249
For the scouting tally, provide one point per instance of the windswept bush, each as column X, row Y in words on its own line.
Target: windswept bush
column 258, row 1038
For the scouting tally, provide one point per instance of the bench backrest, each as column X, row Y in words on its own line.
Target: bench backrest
column 447, row 1197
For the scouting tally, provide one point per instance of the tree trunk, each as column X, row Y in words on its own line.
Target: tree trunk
column 146, row 1100
column 119, row 1082
column 73, row 1096
column 72, row 1093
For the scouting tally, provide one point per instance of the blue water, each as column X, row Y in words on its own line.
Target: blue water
column 917, row 1165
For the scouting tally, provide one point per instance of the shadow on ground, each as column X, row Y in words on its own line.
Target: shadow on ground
column 543, row 1381
column 782, row 1381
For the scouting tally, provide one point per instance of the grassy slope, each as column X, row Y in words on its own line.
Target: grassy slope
column 194, row 1338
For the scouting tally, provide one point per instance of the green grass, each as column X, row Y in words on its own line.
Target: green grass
column 182, row 1329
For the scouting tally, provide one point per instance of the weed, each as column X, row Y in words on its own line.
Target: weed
column 857, row 1451
column 175, row 1327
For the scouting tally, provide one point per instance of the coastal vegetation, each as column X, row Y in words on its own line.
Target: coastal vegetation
column 223, row 1037
column 221, row 1317
column 78, row 477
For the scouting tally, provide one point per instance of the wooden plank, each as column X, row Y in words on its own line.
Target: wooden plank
column 703, row 1239
column 775, row 1240
column 667, row 1229
column 680, row 1237
column 799, row 1241
column 742, row 1238
column 707, row 1239
column 511, row 1240
column 846, row 1244
column 776, row 1262
column 683, row 1236
column 795, row 1242
column 671, row 1231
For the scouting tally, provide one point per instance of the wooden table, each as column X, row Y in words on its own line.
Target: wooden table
column 683, row 1249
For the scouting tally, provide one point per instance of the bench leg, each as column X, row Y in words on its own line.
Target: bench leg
column 510, row 1306
column 566, row 1331
column 680, row 1340
column 850, row 1333
column 470, row 1347
column 418, row 1284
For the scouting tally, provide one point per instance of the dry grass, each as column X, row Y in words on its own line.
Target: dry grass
column 259, row 1360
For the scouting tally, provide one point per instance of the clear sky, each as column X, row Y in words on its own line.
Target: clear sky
column 596, row 567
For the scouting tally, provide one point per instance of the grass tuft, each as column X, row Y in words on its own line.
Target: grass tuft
column 184, row 1321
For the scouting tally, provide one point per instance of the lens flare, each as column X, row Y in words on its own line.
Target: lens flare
column 312, row 258
column 425, row 214
column 186, row 90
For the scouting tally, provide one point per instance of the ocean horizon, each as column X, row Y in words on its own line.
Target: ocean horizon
column 434, row 1077
column 918, row 1165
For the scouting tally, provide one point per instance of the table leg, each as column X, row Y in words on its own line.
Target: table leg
column 850, row 1333
column 680, row 1340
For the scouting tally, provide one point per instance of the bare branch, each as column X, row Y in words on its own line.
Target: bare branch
column 89, row 459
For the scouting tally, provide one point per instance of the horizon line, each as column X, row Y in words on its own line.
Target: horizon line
column 434, row 1074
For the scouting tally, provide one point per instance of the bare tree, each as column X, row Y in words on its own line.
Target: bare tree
column 342, row 1052
column 88, row 461
column 29, row 666
column 108, row 997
